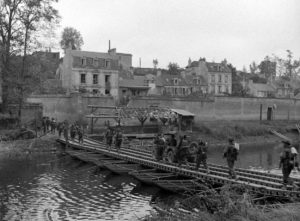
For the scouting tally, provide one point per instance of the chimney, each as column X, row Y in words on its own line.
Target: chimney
column 109, row 45
column 140, row 62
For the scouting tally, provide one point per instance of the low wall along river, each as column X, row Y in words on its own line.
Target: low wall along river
column 218, row 108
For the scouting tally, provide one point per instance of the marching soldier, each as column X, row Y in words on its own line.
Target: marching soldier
column 53, row 125
column 80, row 133
column 66, row 132
column 182, row 151
column 72, row 132
column 48, row 122
column 286, row 163
column 231, row 153
column 201, row 155
column 60, row 128
column 160, row 147
column 109, row 137
column 119, row 139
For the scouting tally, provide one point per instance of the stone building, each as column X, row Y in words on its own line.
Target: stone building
column 93, row 72
column 209, row 77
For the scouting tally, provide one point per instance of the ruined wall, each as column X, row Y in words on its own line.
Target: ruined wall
column 227, row 108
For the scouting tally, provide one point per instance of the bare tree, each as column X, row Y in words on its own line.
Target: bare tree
column 155, row 63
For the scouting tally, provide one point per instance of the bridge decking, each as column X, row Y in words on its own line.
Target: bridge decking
column 140, row 164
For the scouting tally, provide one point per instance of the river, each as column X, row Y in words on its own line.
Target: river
column 49, row 186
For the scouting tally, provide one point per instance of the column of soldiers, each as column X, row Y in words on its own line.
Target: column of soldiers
column 113, row 136
column 288, row 157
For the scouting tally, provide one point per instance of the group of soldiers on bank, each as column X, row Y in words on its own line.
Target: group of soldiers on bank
column 74, row 130
column 288, row 157
column 49, row 125
column 113, row 136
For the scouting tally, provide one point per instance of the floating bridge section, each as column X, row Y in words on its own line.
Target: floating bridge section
column 138, row 162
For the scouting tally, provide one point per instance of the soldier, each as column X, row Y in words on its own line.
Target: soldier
column 48, row 122
column 109, row 137
column 201, row 155
column 60, row 128
column 231, row 153
column 66, row 132
column 160, row 147
column 182, row 150
column 53, row 125
column 44, row 125
column 80, row 133
column 119, row 139
column 72, row 131
column 286, row 162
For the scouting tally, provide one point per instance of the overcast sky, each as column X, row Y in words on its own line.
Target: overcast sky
column 174, row 30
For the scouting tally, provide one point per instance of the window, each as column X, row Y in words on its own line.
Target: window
column 220, row 78
column 175, row 81
column 107, row 78
column 107, row 92
column 226, row 79
column 95, row 78
column 95, row 91
column 107, row 64
column 226, row 89
column 212, row 78
column 96, row 62
column 219, row 89
column 82, row 78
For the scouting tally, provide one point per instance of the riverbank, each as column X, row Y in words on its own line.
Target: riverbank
column 229, row 204
column 43, row 144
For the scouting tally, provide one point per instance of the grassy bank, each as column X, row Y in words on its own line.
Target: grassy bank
column 244, row 130
column 43, row 144
column 232, row 203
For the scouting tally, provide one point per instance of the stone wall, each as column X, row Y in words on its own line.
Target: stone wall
column 226, row 108
column 72, row 108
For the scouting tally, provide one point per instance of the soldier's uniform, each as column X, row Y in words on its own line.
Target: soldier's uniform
column 119, row 139
column 231, row 153
column 72, row 132
column 53, row 125
column 160, row 147
column 109, row 137
column 60, row 129
column 201, row 155
column 48, row 122
column 44, row 125
column 286, row 162
column 182, row 151
column 80, row 134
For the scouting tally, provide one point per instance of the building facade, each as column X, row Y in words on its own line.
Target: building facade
column 93, row 72
column 210, row 77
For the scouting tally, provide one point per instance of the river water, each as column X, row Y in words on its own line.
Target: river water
column 49, row 186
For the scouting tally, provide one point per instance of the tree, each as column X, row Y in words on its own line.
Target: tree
column 173, row 68
column 71, row 37
column 20, row 21
column 155, row 63
column 9, row 33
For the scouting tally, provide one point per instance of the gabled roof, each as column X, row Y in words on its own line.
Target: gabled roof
column 168, row 80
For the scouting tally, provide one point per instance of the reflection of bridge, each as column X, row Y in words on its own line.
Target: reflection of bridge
column 138, row 162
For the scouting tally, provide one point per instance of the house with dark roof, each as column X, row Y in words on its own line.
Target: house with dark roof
column 209, row 77
column 136, row 86
column 172, row 85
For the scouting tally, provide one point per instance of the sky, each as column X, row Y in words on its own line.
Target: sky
column 241, row 31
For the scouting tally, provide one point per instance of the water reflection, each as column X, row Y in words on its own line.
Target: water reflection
column 34, row 189
column 54, row 187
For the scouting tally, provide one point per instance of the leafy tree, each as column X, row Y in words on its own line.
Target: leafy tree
column 20, row 22
column 173, row 68
column 71, row 37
